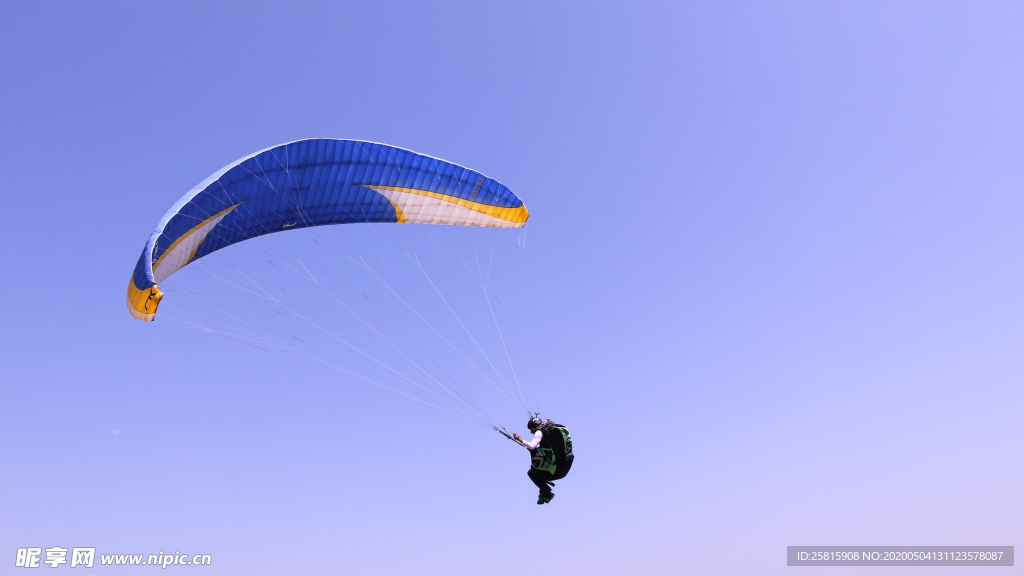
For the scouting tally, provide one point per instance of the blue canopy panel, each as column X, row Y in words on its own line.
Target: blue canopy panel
column 315, row 182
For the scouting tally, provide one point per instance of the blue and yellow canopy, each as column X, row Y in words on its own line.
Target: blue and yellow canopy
column 315, row 182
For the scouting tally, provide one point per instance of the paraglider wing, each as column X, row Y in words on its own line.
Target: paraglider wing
column 314, row 182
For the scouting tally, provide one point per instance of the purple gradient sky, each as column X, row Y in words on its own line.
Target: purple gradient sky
column 779, row 247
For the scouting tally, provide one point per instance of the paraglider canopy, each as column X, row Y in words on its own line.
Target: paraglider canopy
column 315, row 182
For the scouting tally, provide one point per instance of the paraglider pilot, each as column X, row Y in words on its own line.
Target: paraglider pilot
column 550, row 455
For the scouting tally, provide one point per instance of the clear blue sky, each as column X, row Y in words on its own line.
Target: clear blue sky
column 779, row 248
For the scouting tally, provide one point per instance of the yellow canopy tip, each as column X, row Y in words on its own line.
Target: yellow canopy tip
column 142, row 302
